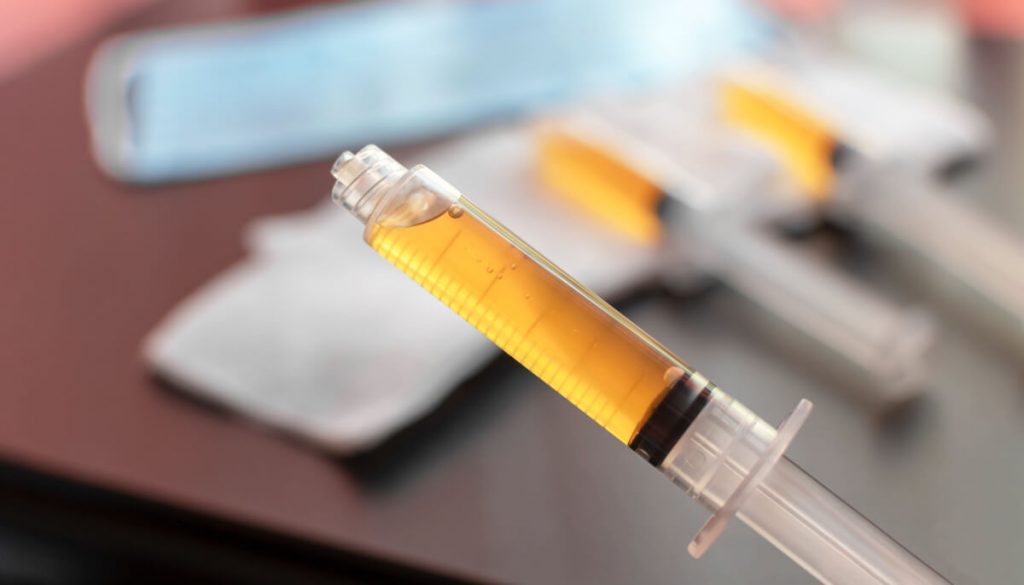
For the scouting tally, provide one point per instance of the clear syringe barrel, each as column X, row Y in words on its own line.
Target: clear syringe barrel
column 614, row 372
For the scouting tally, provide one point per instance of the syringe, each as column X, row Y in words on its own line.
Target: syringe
column 662, row 167
column 718, row 451
column 868, row 152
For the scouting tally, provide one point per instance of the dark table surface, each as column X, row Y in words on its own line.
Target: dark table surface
column 506, row 482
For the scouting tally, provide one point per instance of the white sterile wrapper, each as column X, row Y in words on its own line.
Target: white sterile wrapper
column 318, row 336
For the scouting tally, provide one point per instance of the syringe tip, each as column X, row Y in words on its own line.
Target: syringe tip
column 344, row 158
column 358, row 174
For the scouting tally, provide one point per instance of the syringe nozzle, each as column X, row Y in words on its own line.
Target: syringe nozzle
column 340, row 163
column 359, row 175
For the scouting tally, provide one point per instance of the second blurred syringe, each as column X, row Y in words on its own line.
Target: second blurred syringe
column 663, row 169
column 869, row 153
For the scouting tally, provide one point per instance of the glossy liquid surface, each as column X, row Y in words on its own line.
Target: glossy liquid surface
column 562, row 333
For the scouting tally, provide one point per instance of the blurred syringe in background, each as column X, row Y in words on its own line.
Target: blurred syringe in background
column 663, row 168
column 871, row 154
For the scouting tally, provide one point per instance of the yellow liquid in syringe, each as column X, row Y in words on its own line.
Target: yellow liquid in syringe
column 574, row 342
